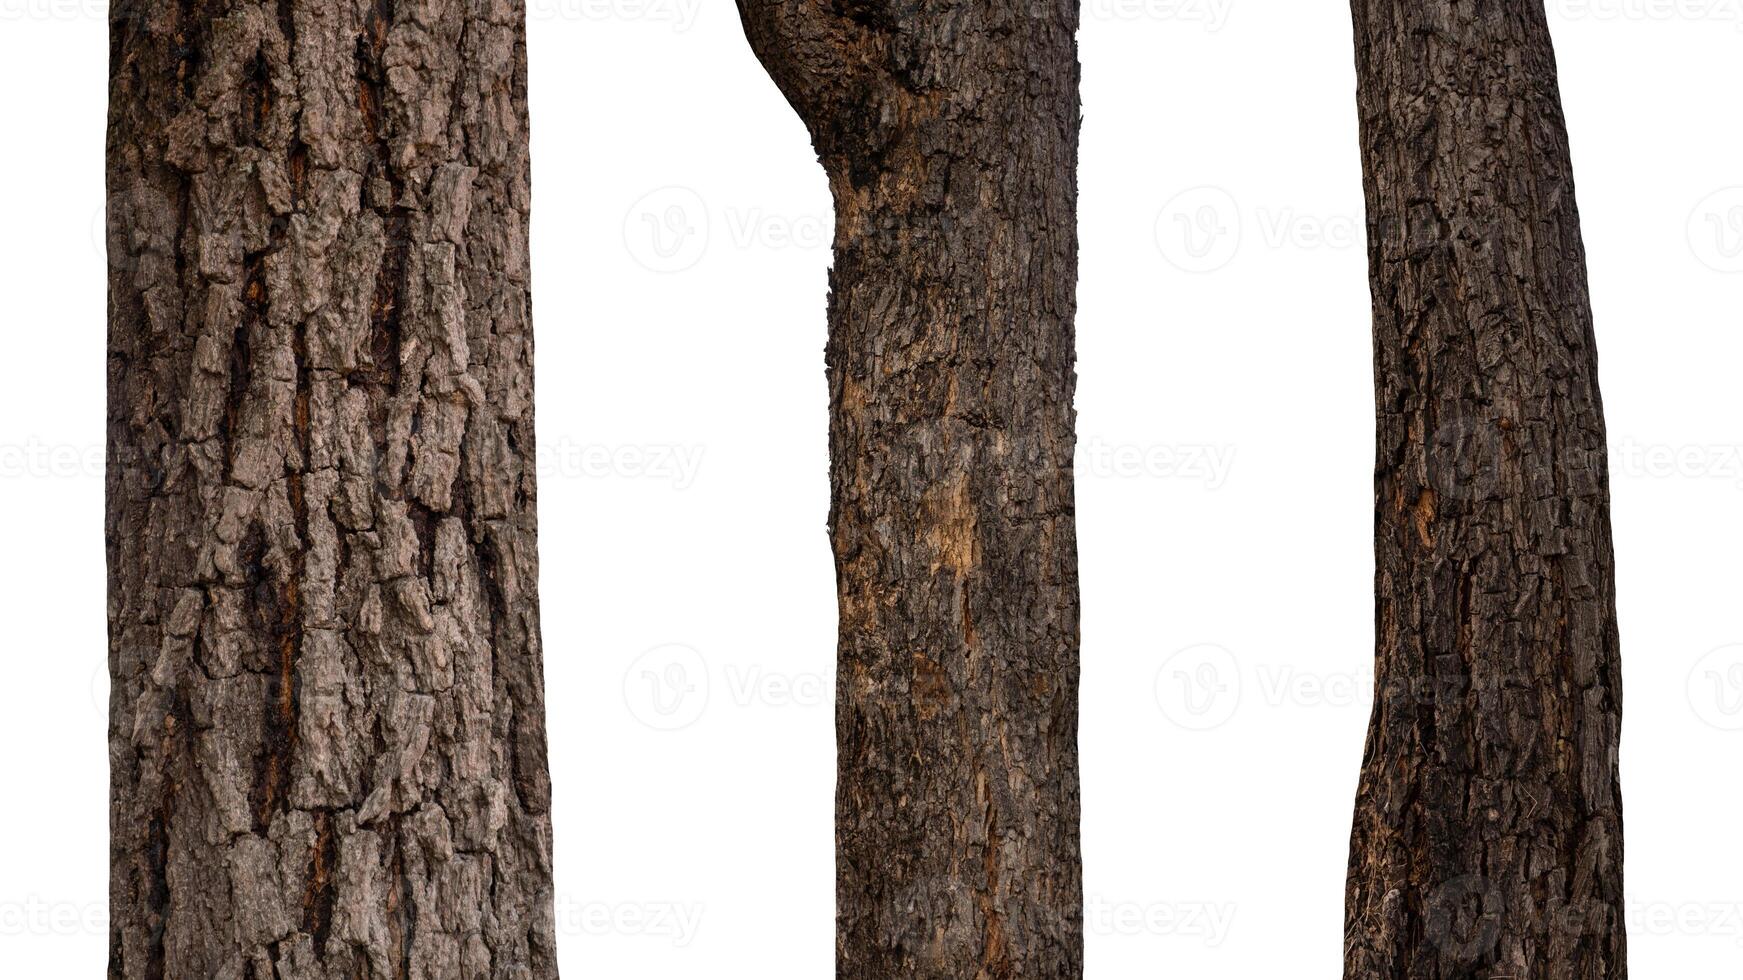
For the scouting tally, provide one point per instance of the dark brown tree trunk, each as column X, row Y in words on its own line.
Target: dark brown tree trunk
column 1488, row 829
column 948, row 130
column 326, row 732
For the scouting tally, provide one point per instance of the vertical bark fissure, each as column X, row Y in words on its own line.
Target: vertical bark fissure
column 326, row 743
column 948, row 131
column 1487, row 838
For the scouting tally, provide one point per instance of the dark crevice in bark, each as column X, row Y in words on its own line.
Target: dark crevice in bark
column 241, row 361
column 177, row 729
column 255, row 111
column 384, row 308
column 402, row 918
column 287, row 24
column 319, row 893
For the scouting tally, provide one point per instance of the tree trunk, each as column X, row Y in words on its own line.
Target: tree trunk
column 1488, row 829
column 327, row 724
column 949, row 134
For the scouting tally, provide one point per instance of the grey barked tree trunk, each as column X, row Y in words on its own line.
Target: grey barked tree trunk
column 948, row 130
column 326, row 728
column 1488, row 829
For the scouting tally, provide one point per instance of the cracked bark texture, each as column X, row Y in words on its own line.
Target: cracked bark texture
column 326, row 729
column 1488, row 830
column 948, row 130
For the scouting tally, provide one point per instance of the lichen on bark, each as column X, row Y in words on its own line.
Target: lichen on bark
column 327, row 722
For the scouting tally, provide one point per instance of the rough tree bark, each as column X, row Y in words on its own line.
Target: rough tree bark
column 948, row 129
column 1488, row 830
column 326, row 730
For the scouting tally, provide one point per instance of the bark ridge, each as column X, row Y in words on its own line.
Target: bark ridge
column 327, row 722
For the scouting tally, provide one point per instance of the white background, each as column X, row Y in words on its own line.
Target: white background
column 1224, row 485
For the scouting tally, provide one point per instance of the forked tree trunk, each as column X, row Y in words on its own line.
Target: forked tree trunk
column 326, row 730
column 948, row 130
column 1488, row 829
